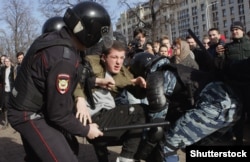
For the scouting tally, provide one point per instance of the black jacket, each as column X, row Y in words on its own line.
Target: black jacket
column 236, row 61
column 46, row 81
column 11, row 77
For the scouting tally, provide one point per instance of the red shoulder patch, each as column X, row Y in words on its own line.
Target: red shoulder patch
column 62, row 83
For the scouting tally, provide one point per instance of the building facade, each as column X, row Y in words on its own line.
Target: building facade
column 197, row 15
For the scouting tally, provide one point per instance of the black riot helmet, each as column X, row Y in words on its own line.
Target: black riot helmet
column 140, row 63
column 89, row 22
column 53, row 24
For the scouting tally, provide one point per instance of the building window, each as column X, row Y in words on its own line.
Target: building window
column 224, row 12
column 231, row 10
column 214, row 7
column 241, row 9
column 195, row 21
column 242, row 19
column 202, row 7
column 204, row 27
column 194, row 10
column 240, row 1
column 231, row 1
column 225, row 23
column 232, row 20
column 203, row 17
column 223, row 3
column 215, row 16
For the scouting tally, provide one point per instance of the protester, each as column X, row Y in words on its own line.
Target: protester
column 214, row 40
column 182, row 54
column 110, row 79
column 191, row 42
column 140, row 39
column 164, row 51
column 7, row 80
column 206, row 42
column 19, row 56
column 166, row 41
column 201, row 55
column 1, row 86
column 234, row 58
column 156, row 47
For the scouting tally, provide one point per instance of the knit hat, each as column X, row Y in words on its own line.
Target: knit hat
column 238, row 25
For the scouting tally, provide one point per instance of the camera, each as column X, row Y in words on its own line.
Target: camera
column 136, row 46
column 221, row 42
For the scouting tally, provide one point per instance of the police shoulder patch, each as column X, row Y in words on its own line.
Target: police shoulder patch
column 62, row 83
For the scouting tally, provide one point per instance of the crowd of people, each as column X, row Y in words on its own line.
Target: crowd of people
column 79, row 77
column 8, row 72
column 225, row 62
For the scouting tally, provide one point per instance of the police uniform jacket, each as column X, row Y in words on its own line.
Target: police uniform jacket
column 46, row 81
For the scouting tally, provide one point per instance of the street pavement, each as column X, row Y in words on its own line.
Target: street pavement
column 11, row 149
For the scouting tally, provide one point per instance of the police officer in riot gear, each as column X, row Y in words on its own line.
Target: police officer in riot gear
column 53, row 24
column 41, row 104
column 212, row 104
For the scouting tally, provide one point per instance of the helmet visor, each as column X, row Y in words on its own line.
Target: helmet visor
column 107, row 36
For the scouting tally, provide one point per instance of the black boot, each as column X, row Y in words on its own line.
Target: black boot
column 154, row 135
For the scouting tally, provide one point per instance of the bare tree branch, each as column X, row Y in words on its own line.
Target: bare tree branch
column 20, row 22
column 155, row 7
